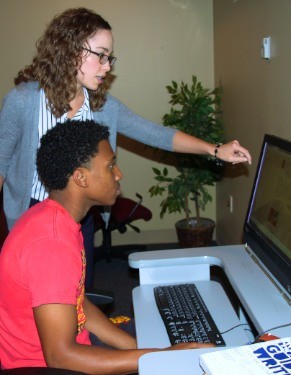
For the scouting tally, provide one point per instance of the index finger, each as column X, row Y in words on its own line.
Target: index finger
column 242, row 154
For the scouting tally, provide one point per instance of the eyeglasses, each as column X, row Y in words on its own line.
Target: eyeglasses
column 102, row 57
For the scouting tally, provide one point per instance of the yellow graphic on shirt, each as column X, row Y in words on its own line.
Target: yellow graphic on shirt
column 81, row 295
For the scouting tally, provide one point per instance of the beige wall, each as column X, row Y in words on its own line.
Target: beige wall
column 160, row 40
column 256, row 96
column 156, row 41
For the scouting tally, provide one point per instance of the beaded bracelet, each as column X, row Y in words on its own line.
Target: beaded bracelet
column 217, row 161
column 216, row 150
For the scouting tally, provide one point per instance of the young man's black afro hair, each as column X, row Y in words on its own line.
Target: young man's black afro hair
column 66, row 147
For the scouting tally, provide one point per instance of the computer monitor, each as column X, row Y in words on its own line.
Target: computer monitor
column 267, row 228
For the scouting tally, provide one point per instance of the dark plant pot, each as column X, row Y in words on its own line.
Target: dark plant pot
column 195, row 232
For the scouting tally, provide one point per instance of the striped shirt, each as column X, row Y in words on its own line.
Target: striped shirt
column 47, row 121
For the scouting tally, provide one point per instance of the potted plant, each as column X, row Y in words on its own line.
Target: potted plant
column 195, row 110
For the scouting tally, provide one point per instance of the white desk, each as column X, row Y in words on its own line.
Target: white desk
column 260, row 298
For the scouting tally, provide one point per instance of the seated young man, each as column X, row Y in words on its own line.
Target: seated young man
column 45, row 317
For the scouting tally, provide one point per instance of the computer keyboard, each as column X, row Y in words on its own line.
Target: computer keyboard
column 185, row 315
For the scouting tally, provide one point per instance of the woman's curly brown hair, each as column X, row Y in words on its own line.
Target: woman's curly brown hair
column 55, row 65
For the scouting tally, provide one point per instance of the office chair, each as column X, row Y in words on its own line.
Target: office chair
column 123, row 213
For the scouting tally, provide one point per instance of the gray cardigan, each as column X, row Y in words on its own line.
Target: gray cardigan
column 19, row 140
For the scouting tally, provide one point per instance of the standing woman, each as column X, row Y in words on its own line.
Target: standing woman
column 68, row 79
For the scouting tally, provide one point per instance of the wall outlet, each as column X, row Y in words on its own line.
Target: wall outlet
column 230, row 203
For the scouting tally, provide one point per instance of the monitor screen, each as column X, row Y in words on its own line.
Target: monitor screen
column 267, row 228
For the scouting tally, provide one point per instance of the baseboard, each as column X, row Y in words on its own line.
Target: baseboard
column 142, row 238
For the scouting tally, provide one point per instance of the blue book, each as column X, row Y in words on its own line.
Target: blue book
column 270, row 357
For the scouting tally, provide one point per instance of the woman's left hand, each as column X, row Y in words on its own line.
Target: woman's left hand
column 234, row 153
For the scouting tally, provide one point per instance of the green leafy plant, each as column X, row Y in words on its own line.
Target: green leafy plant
column 196, row 111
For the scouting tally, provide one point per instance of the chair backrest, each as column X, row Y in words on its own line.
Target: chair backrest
column 3, row 223
column 123, row 212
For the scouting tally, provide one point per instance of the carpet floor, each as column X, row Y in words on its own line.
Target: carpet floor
column 117, row 277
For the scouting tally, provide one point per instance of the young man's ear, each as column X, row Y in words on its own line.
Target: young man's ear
column 80, row 177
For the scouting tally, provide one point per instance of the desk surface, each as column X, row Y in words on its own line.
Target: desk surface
column 259, row 296
column 174, row 362
column 151, row 331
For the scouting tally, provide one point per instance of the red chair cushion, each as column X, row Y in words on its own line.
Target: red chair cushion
column 121, row 210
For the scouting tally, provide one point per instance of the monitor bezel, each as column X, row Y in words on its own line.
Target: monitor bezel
column 273, row 259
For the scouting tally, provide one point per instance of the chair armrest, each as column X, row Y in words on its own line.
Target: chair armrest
column 100, row 297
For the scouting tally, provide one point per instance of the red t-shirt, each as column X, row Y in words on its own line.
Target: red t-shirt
column 41, row 262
